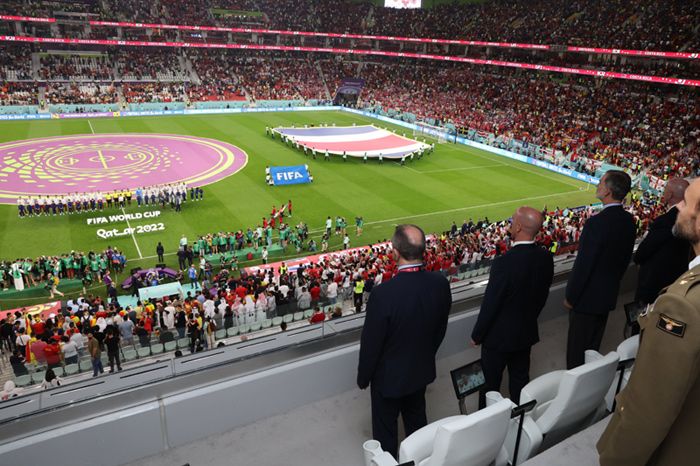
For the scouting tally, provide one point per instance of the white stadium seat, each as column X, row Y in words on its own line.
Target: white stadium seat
column 475, row 440
column 626, row 350
column 567, row 401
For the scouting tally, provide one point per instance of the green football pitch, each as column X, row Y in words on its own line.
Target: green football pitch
column 452, row 184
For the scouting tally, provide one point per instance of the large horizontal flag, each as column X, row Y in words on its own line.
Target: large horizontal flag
column 356, row 141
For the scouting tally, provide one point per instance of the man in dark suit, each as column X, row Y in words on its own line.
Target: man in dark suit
column 662, row 257
column 518, row 288
column 405, row 324
column 604, row 253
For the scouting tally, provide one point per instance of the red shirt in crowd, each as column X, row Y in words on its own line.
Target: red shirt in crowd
column 315, row 293
column 318, row 317
column 52, row 353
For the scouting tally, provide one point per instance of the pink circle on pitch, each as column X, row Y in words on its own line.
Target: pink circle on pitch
column 105, row 162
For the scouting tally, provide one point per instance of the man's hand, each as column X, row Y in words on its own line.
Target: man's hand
column 568, row 305
column 474, row 344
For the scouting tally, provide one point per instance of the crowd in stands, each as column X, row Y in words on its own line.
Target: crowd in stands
column 216, row 80
column 18, row 93
column 336, row 69
column 149, row 65
column 618, row 122
column 140, row 11
column 153, row 92
column 640, row 24
column 322, row 289
column 269, row 78
column 86, row 93
column 16, row 64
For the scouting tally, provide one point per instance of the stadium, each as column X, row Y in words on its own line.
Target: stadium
column 210, row 191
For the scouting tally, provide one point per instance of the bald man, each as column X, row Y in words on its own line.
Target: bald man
column 404, row 327
column 518, row 288
column 661, row 256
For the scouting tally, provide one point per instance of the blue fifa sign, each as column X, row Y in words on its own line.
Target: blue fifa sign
column 297, row 174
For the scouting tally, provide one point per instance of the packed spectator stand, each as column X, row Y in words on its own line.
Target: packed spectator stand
column 257, row 301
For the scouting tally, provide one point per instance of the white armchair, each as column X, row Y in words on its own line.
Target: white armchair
column 566, row 402
column 626, row 350
column 476, row 439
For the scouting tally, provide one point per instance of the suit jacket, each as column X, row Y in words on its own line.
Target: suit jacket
column 405, row 324
column 517, row 291
column 661, row 257
column 656, row 417
column 604, row 253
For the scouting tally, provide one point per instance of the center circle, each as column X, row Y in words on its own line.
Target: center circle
column 105, row 162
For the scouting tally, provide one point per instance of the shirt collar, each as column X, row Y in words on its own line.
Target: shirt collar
column 694, row 263
column 612, row 204
column 518, row 243
column 408, row 266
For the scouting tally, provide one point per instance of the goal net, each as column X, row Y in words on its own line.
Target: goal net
column 430, row 132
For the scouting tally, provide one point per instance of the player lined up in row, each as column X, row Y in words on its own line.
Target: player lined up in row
column 173, row 195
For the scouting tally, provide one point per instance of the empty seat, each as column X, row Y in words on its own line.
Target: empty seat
column 476, row 439
column 130, row 354
column 71, row 369
column 183, row 343
column 255, row 326
column 38, row 377
column 244, row 328
column 267, row 323
column 85, row 365
column 276, row 321
column 144, row 352
column 220, row 334
column 567, row 401
column 288, row 318
column 170, row 345
column 157, row 348
column 23, row 380
column 298, row 316
column 308, row 313
column 627, row 350
column 232, row 331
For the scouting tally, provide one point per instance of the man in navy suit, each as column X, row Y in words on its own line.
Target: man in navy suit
column 518, row 288
column 604, row 253
column 405, row 323
column 662, row 257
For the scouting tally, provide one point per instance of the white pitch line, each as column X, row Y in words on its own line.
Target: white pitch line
column 138, row 249
column 91, row 128
column 465, row 168
column 459, row 209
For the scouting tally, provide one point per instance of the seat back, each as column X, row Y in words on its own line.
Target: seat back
column 475, row 439
column 628, row 348
column 581, row 391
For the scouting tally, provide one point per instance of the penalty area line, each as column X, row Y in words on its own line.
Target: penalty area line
column 138, row 249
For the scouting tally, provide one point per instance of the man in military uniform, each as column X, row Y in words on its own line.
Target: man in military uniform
column 657, row 419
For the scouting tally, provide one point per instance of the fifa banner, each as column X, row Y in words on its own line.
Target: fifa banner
column 297, row 174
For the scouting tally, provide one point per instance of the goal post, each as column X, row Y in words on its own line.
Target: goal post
column 430, row 132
